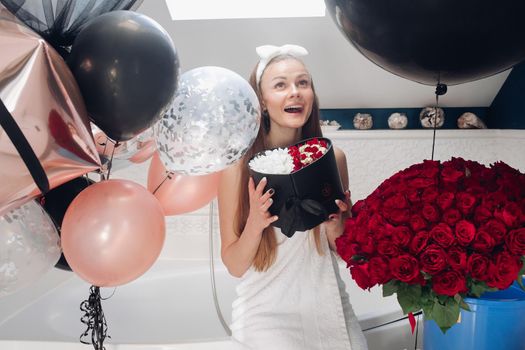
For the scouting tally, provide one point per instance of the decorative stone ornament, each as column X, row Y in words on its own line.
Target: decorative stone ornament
column 469, row 120
column 430, row 116
column 397, row 121
column 363, row 121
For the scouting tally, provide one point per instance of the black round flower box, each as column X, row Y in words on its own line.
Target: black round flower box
column 306, row 197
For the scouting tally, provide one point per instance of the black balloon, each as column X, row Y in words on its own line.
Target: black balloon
column 451, row 41
column 127, row 68
column 56, row 202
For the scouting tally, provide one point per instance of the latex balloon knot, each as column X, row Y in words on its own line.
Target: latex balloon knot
column 441, row 89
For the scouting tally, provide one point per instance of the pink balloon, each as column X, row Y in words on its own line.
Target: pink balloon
column 145, row 151
column 113, row 232
column 177, row 193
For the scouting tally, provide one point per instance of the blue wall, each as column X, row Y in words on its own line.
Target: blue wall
column 506, row 112
column 508, row 108
column 380, row 116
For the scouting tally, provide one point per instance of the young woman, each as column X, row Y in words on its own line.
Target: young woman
column 290, row 295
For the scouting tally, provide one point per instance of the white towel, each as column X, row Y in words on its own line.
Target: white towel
column 300, row 303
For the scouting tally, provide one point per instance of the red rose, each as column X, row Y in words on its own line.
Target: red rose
column 423, row 182
column 509, row 214
column 417, row 223
column 373, row 204
column 503, row 270
column 483, row 242
column 341, row 244
column 429, row 195
column 496, row 229
column 515, row 241
column 378, row 271
column 445, row 200
column 405, row 268
column 413, row 195
column 365, row 241
column 396, row 216
column 442, row 235
column 359, row 205
column 449, row 174
column 360, row 276
column 457, row 258
column 465, row 202
column 433, row 259
column 347, row 250
column 465, row 232
column 502, row 168
column 386, row 248
column 449, row 283
column 478, row 266
column 451, row 216
column 482, row 213
column 375, row 222
column 419, row 241
column 429, row 168
column 401, row 236
column 397, row 201
column 430, row 212
column 494, row 200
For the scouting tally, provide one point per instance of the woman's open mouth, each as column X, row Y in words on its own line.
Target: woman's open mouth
column 293, row 109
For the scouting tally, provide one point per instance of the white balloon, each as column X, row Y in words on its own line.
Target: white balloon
column 213, row 120
column 29, row 246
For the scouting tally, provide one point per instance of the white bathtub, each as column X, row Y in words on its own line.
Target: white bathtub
column 169, row 308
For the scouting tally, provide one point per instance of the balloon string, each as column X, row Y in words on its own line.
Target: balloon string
column 110, row 164
column 168, row 176
column 94, row 320
column 441, row 89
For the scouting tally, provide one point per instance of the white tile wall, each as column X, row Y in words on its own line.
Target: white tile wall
column 372, row 155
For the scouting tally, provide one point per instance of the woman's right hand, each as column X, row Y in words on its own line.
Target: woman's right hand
column 259, row 217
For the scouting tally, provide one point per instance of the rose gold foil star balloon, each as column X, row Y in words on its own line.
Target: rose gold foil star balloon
column 45, row 138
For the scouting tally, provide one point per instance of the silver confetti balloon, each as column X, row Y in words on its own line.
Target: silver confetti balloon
column 213, row 120
column 29, row 246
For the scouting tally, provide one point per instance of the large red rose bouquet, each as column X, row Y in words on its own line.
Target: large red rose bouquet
column 437, row 232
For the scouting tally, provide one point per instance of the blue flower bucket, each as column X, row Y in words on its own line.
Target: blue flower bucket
column 496, row 321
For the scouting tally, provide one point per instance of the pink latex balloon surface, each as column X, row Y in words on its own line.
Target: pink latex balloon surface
column 113, row 232
column 180, row 194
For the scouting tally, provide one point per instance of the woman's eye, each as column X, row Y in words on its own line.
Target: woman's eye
column 304, row 83
column 280, row 85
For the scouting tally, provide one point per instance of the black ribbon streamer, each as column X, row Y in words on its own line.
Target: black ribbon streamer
column 59, row 22
column 23, row 147
column 294, row 212
column 94, row 320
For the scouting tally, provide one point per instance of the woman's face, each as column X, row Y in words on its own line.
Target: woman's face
column 286, row 88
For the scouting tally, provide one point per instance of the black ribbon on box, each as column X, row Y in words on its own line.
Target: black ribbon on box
column 305, row 198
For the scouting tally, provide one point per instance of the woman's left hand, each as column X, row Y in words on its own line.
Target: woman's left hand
column 336, row 222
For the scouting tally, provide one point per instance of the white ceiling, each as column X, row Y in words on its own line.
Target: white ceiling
column 343, row 77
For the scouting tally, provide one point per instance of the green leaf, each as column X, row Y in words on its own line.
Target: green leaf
column 409, row 297
column 390, row 288
column 478, row 287
column 446, row 315
column 464, row 305
column 520, row 281
column 427, row 307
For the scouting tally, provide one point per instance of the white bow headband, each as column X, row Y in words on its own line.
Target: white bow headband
column 268, row 52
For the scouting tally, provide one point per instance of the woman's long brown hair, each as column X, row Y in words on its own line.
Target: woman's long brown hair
column 267, row 251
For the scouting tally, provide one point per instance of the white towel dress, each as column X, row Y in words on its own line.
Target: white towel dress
column 299, row 303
